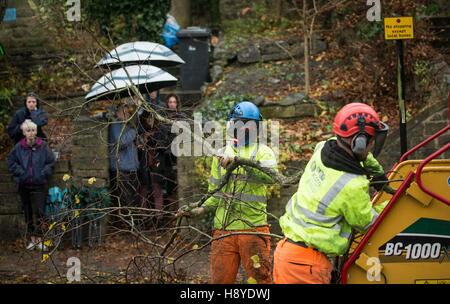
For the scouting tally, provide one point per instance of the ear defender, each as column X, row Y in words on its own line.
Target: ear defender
column 360, row 141
column 359, row 146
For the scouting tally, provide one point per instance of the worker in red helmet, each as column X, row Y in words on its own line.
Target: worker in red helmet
column 332, row 198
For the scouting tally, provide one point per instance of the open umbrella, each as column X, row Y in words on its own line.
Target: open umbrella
column 117, row 83
column 140, row 52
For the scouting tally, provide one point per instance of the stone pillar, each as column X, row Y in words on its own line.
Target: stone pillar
column 90, row 157
column 12, row 223
column 90, row 150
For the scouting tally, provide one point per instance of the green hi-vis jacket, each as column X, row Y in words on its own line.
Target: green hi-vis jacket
column 328, row 204
column 241, row 203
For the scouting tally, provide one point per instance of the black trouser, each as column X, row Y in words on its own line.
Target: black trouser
column 33, row 205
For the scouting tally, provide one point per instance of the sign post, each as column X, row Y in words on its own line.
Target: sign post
column 399, row 28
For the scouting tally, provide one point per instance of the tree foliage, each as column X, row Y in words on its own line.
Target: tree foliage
column 128, row 19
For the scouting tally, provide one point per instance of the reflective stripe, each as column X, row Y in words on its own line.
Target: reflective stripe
column 214, row 181
column 299, row 221
column 320, row 218
column 253, row 156
column 345, row 235
column 374, row 218
column 334, row 191
column 235, row 177
column 245, row 197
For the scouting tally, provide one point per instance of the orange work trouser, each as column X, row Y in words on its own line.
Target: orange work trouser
column 228, row 252
column 294, row 264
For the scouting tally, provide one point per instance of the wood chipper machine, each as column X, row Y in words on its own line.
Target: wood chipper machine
column 410, row 241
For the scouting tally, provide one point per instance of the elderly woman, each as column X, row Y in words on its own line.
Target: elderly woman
column 31, row 163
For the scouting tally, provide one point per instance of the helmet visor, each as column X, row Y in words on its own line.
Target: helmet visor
column 380, row 138
column 245, row 131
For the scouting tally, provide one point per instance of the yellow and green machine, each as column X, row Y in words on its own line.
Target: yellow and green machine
column 410, row 241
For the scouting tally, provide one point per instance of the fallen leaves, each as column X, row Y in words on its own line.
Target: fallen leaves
column 251, row 280
column 45, row 257
column 255, row 260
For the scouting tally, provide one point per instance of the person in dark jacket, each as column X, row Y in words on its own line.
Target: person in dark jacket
column 123, row 158
column 168, row 161
column 151, row 139
column 31, row 163
column 32, row 111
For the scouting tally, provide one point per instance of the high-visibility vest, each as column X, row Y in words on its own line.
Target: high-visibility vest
column 242, row 202
column 327, row 205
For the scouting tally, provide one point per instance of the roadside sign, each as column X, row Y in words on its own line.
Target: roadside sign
column 398, row 28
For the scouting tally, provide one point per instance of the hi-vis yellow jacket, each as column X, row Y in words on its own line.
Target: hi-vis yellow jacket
column 242, row 202
column 328, row 204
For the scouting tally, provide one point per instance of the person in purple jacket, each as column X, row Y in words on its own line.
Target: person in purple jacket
column 31, row 163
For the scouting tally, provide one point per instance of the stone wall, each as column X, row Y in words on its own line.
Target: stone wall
column 90, row 150
column 27, row 42
column 86, row 155
column 428, row 122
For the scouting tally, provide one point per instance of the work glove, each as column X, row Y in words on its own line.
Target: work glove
column 225, row 161
column 381, row 183
column 191, row 209
column 197, row 211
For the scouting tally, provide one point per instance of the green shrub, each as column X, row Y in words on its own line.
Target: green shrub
column 369, row 30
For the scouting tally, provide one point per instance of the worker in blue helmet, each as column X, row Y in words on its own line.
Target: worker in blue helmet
column 244, row 122
column 241, row 205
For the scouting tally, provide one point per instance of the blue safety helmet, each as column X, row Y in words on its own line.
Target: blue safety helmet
column 245, row 110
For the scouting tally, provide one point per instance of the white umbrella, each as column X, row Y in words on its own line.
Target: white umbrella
column 117, row 83
column 140, row 52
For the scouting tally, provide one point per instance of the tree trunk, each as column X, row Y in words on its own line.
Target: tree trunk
column 306, row 47
column 181, row 10
column 278, row 11
column 216, row 23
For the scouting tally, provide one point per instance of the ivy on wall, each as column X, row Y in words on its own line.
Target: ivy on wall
column 128, row 20
column 122, row 20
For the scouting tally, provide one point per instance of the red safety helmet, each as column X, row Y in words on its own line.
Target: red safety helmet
column 360, row 119
column 348, row 120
